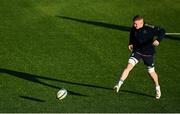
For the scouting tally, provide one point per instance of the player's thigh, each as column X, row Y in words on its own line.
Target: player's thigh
column 149, row 62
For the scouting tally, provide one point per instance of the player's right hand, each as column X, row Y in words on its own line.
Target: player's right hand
column 130, row 47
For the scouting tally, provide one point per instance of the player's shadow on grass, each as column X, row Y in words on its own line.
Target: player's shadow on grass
column 110, row 26
column 101, row 24
column 31, row 98
column 34, row 78
column 136, row 93
column 171, row 37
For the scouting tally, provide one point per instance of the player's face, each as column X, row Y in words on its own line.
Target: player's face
column 138, row 24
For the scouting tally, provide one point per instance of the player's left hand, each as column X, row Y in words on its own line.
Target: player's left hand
column 156, row 43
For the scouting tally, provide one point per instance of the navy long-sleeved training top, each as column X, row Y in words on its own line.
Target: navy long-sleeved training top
column 142, row 39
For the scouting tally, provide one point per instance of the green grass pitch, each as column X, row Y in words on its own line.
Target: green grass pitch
column 81, row 45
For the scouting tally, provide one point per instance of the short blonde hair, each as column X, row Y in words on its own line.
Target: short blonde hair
column 137, row 17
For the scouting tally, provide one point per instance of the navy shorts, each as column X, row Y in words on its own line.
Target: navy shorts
column 147, row 59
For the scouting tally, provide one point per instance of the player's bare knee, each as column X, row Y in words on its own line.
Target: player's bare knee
column 129, row 67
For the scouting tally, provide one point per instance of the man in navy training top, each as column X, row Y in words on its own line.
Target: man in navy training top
column 142, row 45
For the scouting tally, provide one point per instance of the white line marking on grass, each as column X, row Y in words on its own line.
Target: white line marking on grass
column 172, row 33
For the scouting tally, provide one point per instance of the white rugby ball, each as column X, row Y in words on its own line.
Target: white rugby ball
column 61, row 94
